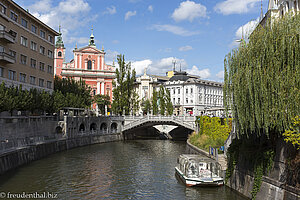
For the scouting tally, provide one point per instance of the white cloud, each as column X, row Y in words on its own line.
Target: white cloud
column 220, row 75
column 111, row 56
column 189, row 10
column 244, row 32
column 140, row 66
column 166, row 50
column 177, row 30
column 185, row 48
column 150, row 8
column 73, row 6
column 110, row 10
column 158, row 67
column 129, row 14
column 41, row 6
column 71, row 14
column 235, row 6
column 204, row 73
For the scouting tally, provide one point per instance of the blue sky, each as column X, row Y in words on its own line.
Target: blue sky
column 153, row 33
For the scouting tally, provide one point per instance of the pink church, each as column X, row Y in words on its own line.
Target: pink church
column 88, row 64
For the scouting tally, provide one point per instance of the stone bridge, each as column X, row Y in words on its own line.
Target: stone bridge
column 142, row 126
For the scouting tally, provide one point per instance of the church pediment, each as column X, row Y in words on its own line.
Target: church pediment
column 88, row 49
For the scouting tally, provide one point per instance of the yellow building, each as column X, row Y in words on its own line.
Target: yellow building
column 26, row 48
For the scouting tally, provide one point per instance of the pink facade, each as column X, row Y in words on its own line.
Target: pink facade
column 89, row 65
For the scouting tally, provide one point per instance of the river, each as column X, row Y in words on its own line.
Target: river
column 142, row 169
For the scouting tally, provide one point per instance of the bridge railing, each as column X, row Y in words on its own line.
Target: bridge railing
column 136, row 120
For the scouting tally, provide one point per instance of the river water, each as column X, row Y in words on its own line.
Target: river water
column 142, row 169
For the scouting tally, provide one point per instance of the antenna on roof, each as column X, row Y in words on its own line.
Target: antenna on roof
column 174, row 63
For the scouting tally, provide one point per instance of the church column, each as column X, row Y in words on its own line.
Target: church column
column 98, row 87
column 75, row 61
column 102, row 63
column 80, row 61
column 102, row 88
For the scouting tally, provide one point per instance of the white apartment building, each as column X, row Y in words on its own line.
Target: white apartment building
column 192, row 96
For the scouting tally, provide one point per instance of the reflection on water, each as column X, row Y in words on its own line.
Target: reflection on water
column 121, row 170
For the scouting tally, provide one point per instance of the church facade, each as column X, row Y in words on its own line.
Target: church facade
column 88, row 64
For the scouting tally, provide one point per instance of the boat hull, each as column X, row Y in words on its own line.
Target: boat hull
column 197, row 181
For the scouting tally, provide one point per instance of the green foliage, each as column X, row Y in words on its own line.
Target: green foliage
column 67, row 93
column 212, row 132
column 162, row 102
column 124, row 94
column 169, row 105
column 146, row 106
column 102, row 101
column 262, row 79
column 293, row 134
column 154, row 102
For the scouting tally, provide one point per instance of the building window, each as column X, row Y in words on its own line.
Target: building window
column 42, row 50
column 42, row 66
column 59, row 54
column 173, row 90
column 2, row 8
column 178, row 90
column 42, row 34
column 192, row 90
column 50, row 54
column 24, row 23
column 94, row 92
column 24, row 41
column 33, row 46
column 1, row 72
column 32, row 80
column 192, row 101
column 23, row 59
column 186, row 100
column 12, row 53
column 50, row 38
column 107, row 91
column 41, row 82
column 13, row 16
column 178, row 100
column 11, row 75
column 22, row 77
column 187, row 90
column 33, row 63
column 89, row 64
column 50, row 69
column 49, row 84
column 33, row 28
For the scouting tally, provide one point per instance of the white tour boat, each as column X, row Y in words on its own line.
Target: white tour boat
column 195, row 170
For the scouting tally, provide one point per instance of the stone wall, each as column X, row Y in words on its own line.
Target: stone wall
column 275, row 185
column 21, row 156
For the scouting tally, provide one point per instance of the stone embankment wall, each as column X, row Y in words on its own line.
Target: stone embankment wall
column 276, row 185
column 25, row 139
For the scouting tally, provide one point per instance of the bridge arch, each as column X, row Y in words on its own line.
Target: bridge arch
column 114, row 127
column 103, row 126
column 93, row 127
column 82, row 127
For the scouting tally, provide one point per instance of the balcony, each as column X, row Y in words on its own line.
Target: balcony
column 7, row 36
column 7, row 58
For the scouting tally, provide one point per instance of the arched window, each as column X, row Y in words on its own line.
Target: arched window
column 59, row 54
column 89, row 64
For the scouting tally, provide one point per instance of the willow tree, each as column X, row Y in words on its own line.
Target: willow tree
column 262, row 79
